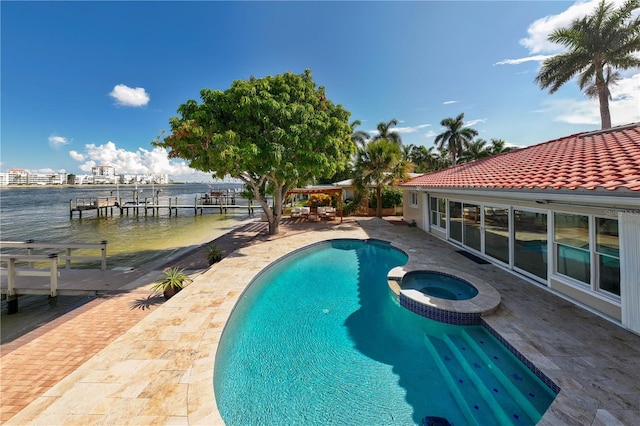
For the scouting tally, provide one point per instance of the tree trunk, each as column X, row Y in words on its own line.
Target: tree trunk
column 603, row 97
column 379, row 201
column 274, row 220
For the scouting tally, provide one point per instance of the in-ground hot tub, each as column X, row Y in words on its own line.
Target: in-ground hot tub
column 440, row 285
column 444, row 295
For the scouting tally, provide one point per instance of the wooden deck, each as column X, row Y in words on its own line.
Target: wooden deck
column 75, row 282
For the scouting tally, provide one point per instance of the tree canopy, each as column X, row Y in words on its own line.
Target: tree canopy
column 597, row 44
column 272, row 133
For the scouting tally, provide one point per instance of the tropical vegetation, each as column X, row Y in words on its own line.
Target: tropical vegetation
column 455, row 137
column 598, row 45
column 380, row 163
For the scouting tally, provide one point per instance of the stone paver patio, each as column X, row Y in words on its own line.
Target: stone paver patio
column 160, row 371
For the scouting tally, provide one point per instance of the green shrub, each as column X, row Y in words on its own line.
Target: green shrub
column 391, row 197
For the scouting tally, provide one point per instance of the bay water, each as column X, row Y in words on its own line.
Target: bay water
column 42, row 214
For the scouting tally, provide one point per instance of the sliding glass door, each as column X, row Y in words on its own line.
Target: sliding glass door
column 530, row 242
column 496, row 233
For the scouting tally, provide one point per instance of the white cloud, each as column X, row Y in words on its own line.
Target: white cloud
column 76, row 156
column 535, row 58
column 450, row 102
column 430, row 134
column 129, row 96
column 57, row 141
column 470, row 123
column 624, row 107
column 143, row 161
column 411, row 129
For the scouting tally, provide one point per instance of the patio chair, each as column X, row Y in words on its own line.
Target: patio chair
column 296, row 212
column 305, row 211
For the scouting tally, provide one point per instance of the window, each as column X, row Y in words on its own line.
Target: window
column 571, row 236
column 413, row 200
column 496, row 233
column 530, row 242
column 455, row 221
column 471, row 226
column 608, row 255
column 438, row 208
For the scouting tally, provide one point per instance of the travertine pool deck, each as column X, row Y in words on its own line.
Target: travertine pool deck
column 161, row 370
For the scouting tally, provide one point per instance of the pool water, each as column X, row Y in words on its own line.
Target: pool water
column 440, row 285
column 318, row 339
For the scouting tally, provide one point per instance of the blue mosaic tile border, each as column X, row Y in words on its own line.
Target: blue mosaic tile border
column 535, row 370
column 440, row 315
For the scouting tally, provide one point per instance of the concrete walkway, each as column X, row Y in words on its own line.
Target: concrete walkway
column 160, row 370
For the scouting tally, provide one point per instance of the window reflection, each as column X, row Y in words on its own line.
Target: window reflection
column 455, row 221
column 530, row 244
column 471, row 222
column 571, row 234
column 608, row 250
column 496, row 233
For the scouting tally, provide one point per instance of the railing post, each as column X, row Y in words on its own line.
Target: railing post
column 67, row 264
column 104, row 254
column 11, row 278
column 54, row 274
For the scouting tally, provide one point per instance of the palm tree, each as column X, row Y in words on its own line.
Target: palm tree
column 498, row 146
column 456, row 137
column 358, row 137
column 606, row 39
column 385, row 132
column 475, row 150
column 379, row 164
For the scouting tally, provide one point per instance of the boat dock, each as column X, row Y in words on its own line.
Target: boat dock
column 152, row 205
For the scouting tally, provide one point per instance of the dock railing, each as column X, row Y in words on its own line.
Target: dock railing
column 12, row 271
column 65, row 251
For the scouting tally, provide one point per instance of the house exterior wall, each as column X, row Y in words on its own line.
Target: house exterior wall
column 556, row 277
column 414, row 211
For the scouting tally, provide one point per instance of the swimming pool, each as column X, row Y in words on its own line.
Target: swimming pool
column 318, row 339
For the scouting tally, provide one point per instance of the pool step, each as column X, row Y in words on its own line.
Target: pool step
column 510, row 385
column 469, row 365
column 433, row 348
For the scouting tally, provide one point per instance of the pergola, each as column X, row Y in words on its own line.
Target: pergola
column 331, row 190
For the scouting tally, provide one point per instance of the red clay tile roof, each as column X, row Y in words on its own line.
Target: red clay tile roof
column 601, row 160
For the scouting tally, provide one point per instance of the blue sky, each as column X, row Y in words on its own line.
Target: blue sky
column 87, row 83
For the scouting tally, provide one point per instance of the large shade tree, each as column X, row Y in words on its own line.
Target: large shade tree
column 456, row 137
column 272, row 133
column 379, row 164
column 597, row 44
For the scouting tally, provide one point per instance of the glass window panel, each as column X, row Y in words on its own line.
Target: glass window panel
column 572, row 230
column 471, row 223
column 455, row 221
column 496, row 233
column 442, row 208
column 609, row 274
column 530, row 244
column 607, row 240
column 574, row 263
